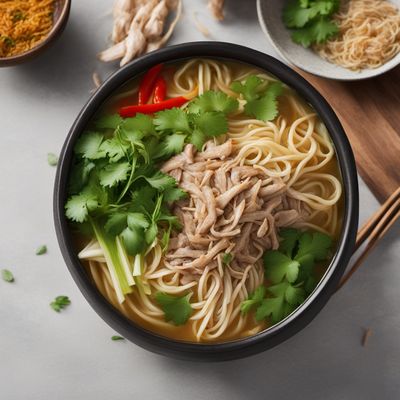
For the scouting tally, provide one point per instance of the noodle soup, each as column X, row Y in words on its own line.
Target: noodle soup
column 207, row 200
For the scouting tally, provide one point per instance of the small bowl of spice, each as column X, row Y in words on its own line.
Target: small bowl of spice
column 28, row 27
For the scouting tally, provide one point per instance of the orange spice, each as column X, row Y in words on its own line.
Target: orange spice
column 24, row 24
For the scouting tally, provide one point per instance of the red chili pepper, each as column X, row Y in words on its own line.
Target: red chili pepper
column 131, row 111
column 147, row 84
column 160, row 90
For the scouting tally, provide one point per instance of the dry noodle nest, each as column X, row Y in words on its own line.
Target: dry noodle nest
column 369, row 35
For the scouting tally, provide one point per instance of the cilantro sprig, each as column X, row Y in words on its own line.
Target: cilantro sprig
column 59, row 303
column 311, row 20
column 116, row 190
column 291, row 271
column 260, row 95
column 176, row 309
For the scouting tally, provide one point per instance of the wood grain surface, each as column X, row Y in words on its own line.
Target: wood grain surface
column 370, row 113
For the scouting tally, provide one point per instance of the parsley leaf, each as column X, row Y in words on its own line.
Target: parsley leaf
column 254, row 299
column 52, row 159
column 176, row 309
column 7, row 275
column 139, row 123
column 114, row 149
column 289, row 240
column 213, row 101
column 172, row 144
column 250, row 89
column 174, row 194
column 59, row 303
column 41, row 250
column 161, row 181
column 78, row 206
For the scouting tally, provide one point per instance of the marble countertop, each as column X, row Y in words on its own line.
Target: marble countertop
column 45, row 355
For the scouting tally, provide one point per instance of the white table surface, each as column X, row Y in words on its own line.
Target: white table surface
column 45, row 355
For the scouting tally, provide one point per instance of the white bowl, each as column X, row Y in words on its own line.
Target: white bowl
column 270, row 17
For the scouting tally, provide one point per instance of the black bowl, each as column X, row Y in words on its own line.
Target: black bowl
column 314, row 303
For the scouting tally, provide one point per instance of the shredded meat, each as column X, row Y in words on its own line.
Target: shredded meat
column 231, row 208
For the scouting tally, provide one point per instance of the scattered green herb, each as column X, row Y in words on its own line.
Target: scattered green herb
column 291, row 270
column 60, row 302
column 116, row 337
column 176, row 309
column 260, row 95
column 311, row 20
column 17, row 15
column 9, row 42
column 7, row 275
column 52, row 159
column 41, row 250
column 227, row 258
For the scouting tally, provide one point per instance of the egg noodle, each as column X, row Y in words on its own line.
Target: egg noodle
column 294, row 148
column 369, row 35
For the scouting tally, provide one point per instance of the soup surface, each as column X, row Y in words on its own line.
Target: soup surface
column 206, row 200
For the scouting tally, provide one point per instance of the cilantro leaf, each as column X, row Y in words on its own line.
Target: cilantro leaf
column 286, row 299
column 317, row 244
column 213, row 101
column 41, row 250
column 175, row 120
column 116, row 223
column 198, row 138
column 174, row 194
column 172, row 144
column 108, row 121
column 296, row 16
column 52, row 159
column 254, row 299
column 137, row 220
column 7, row 275
column 139, row 123
column 289, row 240
column 112, row 174
column 176, row 309
column 266, row 107
column 133, row 240
column 80, row 175
column 151, row 233
column 211, row 123
column 318, row 31
column 59, row 303
column 161, row 181
column 114, row 149
column 250, row 89
column 88, row 145
column 279, row 266
column 78, row 206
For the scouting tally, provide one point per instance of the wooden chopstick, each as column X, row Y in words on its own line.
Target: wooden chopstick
column 374, row 230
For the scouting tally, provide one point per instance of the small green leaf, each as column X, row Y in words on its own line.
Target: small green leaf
column 78, row 206
column 227, row 258
column 213, row 101
column 161, row 181
column 176, row 309
column 173, row 120
column 211, row 123
column 52, row 159
column 116, row 223
column 89, row 145
column 174, row 194
column 134, row 240
column 116, row 337
column 278, row 266
column 151, row 233
column 7, row 275
column 41, row 250
column 108, row 121
column 59, row 303
column 253, row 300
column 137, row 220
column 113, row 174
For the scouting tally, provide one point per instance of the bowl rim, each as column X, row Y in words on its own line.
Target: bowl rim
column 313, row 304
column 55, row 31
column 369, row 73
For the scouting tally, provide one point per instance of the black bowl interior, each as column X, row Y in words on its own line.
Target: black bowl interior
column 314, row 303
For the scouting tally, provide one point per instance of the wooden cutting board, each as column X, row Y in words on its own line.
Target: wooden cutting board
column 370, row 113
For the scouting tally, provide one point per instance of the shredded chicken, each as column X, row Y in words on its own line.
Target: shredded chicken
column 231, row 208
column 217, row 8
column 139, row 27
